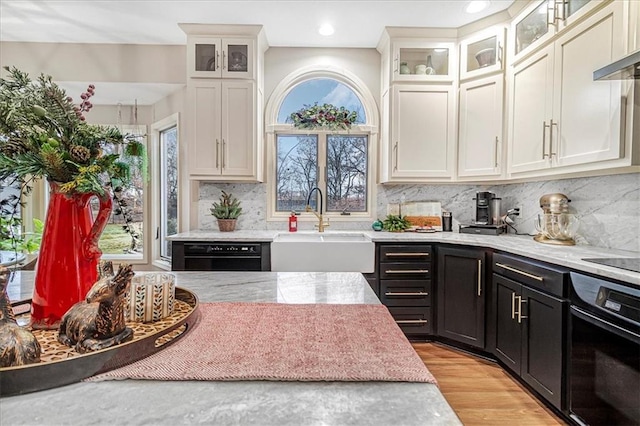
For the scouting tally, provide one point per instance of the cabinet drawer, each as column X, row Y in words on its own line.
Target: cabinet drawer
column 413, row 321
column 405, row 292
column 405, row 253
column 539, row 275
column 405, row 270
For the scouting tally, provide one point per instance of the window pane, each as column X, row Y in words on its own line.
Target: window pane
column 168, row 188
column 347, row 173
column 123, row 233
column 296, row 171
column 320, row 91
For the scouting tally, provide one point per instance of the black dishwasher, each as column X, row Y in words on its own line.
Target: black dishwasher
column 220, row 256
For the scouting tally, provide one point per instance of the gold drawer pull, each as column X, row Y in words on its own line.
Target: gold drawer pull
column 411, row 321
column 517, row 271
column 406, row 271
column 417, row 254
column 419, row 293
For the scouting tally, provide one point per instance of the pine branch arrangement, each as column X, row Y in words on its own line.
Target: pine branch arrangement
column 44, row 134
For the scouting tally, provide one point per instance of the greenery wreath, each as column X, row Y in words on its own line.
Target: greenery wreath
column 323, row 116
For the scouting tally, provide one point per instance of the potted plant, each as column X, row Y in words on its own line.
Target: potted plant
column 226, row 211
column 395, row 223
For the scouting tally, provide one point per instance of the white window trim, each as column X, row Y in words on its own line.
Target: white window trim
column 154, row 160
column 272, row 128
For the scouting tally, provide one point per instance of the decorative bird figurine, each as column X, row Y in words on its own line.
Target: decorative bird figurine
column 18, row 346
column 98, row 322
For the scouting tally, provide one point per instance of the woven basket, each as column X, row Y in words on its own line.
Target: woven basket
column 227, row 225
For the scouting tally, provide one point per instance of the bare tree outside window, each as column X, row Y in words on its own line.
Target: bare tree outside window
column 296, row 170
column 346, row 173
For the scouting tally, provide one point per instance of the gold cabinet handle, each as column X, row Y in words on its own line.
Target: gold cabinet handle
column 497, row 142
column 406, row 271
column 513, row 306
column 419, row 293
column 551, row 153
column 224, row 58
column 217, row 67
column 526, row 274
column 519, row 312
column 217, row 154
column 479, row 277
column 395, row 164
column 411, row 321
column 224, row 144
column 544, row 139
column 406, row 254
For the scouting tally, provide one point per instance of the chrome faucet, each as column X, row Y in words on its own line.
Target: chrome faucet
column 321, row 223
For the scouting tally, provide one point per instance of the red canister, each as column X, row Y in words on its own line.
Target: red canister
column 293, row 222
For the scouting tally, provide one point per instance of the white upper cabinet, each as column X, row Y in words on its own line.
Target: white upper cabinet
column 560, row 117
column 483, row 53
column 422, row 132
column 211, row 57
column 417, row 60
column 223, row 129
column 542, row 20
column 480, row 121
column 224, row 102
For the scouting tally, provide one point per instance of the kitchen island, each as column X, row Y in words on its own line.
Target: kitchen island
column 241, row 402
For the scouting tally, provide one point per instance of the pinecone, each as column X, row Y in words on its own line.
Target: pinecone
column 80, row 153
column 14, row 147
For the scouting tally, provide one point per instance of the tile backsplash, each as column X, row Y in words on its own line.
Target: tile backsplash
column 608, row 207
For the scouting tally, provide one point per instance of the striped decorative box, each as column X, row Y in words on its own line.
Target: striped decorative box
column 150, row 297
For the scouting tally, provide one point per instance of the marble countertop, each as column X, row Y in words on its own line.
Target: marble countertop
column 243, row 402
column 568, row 256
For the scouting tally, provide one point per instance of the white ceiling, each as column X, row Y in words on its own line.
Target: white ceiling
column 357, row 23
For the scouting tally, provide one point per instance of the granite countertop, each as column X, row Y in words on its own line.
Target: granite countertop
column 568, row 256
column 241, row 402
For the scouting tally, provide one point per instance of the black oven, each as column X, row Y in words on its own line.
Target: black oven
column 604, row 369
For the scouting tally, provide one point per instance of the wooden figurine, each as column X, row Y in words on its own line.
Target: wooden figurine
column 98, row 322
column 18, row 346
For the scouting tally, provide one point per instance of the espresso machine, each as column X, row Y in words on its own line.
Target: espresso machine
column 488, row 216
column 556, row 225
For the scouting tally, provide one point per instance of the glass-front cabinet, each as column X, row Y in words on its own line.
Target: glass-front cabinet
column 422, row 61
column 542, row 20
column 220, row 58
column 482, row 53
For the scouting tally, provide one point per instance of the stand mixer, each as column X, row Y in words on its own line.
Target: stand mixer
column 556, row 225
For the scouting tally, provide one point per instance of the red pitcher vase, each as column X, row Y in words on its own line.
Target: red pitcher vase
column 69, row 254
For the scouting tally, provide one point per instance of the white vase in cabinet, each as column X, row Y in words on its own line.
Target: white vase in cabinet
column 480, row 124
column 560, row 117
column 420, row 145
column 223, row 143
column 212, row 57
column 482, row 53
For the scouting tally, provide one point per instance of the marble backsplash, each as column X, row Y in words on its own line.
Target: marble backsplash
column 608, row 207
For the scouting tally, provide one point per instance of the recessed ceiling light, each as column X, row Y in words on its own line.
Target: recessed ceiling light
column 476, row 6
column 326, row 29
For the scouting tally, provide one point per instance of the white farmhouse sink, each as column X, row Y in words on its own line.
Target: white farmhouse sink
column 322, row 252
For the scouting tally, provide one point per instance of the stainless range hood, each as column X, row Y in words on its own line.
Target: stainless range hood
column 623, row 69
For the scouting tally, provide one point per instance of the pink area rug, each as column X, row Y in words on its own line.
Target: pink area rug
column 272, row 341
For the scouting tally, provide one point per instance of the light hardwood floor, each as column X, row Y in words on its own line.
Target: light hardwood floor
column 481, row 392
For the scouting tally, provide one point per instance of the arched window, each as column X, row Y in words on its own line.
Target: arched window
column 321, row 91
column 340, row 162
